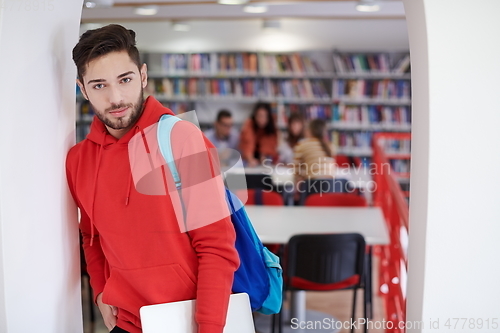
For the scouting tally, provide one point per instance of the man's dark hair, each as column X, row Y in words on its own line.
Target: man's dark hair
column 98, row 42
column 223, row 114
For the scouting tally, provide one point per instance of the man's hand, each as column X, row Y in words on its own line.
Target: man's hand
column 108, row 313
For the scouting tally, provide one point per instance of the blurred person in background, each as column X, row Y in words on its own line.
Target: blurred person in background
column 259, row 136
column 313, row 156
column 225, row 138
column 295, row 132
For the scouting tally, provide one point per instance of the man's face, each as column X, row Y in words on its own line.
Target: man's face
column 223, row 126
column 114, row 87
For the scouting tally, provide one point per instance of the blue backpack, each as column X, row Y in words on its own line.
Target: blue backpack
column 259, row 274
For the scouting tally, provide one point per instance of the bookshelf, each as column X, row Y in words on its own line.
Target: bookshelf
column 371, row 92
column 358, row 93
column 396, row 148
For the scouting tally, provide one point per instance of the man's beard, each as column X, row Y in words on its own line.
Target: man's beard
column 122, row 122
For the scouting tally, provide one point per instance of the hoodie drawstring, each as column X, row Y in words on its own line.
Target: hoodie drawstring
column 129, row 188
column 95, row 186
column 129, row 182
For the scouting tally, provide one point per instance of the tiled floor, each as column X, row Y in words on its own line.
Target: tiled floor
column 336, row 303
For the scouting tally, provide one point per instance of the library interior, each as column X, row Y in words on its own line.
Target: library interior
column 338, row 127
column 343, row 77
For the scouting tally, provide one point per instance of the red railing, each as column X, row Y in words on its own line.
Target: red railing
column 393, row 259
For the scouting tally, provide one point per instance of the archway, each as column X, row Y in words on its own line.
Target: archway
column 453, row 214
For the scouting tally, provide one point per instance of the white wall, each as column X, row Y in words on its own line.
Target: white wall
column 247, row 35
column 39, row 266
column 454, row 214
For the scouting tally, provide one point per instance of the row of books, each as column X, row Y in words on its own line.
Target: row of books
column 369, row 63
column 375, row 117
column 175, row 63
column 239, row 62
column 236, row 62
column 385, row 89
column 400, row 166
column 355, row 143
column 395, row 146
column 179, row 107
column 360, row 143
column 288, row 64
column 301, row 89
column 264, row 88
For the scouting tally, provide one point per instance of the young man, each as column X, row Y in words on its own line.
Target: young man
column 225, row 138
column 135, row 250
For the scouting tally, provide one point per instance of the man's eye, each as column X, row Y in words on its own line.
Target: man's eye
column 126, row 80
column 99, row 86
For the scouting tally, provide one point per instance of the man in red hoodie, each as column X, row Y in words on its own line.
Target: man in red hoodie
column 136, row 253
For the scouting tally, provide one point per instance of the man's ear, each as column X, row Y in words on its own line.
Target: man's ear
column 82, row 88
column 144, row 75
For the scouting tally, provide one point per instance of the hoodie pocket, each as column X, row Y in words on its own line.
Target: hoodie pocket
column 129, row 289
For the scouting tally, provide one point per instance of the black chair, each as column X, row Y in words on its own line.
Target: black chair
column 325, row 262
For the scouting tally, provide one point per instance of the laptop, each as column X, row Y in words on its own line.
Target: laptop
column 178, row 317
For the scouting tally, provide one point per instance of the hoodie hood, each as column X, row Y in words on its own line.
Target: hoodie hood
column 152, row 112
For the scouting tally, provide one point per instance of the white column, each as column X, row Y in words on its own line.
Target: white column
column 454, row 209
column 39, row 256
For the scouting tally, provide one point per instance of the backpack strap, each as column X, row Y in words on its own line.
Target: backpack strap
column 165, row 126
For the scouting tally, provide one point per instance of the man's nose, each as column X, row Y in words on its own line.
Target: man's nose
column 114, row 95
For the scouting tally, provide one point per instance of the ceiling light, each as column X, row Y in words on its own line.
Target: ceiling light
column 90, row 4
column 271, row 24
column 146, row 10
column 367, row 6
column 181, row 26
column 232, row 2
column 255, row 9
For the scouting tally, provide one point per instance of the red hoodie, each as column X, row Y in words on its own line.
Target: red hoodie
column 135, row 252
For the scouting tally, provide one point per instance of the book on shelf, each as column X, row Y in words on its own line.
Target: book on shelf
column 359, row 63
column 275, row 64
column 371, row 89
column 357, row 143
column 174, row 63
column 237, row 63
column 403, row 65
column 200, row 63
column 395, row 146
column 371, row 117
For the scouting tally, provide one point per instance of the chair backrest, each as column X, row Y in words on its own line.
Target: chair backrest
column 336, row 199
column 326, row 185
column 324, row 261
column 343, row 161
column 268, row 198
